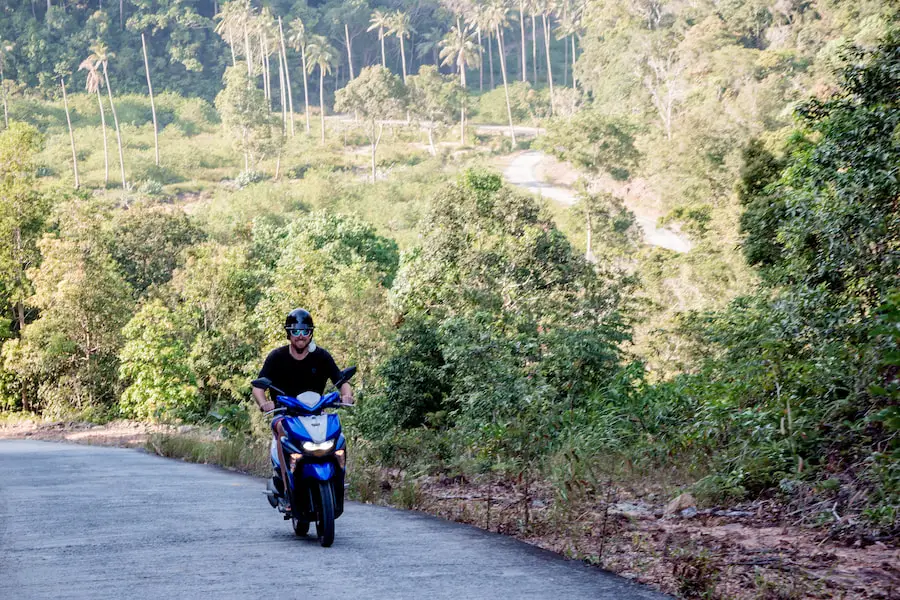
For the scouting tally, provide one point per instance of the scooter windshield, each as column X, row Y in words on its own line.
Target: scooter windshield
column 309, row 399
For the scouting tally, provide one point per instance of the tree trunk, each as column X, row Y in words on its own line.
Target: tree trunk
column 381, row 37
column 322, row 100
column 5, row 108
column 522, row 28
column 375, row 140
column 491, row 61
column 431, row 141
column 282, row 93
column 71, row 134
column 247, row 52
column 403, row 59
column 233, row 57
column 512, row 132
column 305, row 87
column 534, row 61
column 566, row 64
column 116, row 122
column 121, row 14
column 462, row 111
column 152, row 103
column 105, row 146
column 287, row 75
column 480, row 61
column 267, row 73
column 547, row 33
column 349, row 51
column 574, row 81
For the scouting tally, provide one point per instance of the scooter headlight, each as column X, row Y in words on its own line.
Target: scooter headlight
column 321, row 449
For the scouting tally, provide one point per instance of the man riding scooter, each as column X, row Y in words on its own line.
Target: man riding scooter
column 300, row 366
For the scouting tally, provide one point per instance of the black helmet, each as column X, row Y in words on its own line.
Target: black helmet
column 299, row 317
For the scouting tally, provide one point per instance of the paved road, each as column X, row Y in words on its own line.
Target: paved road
column 95, row 523
column 521, row 173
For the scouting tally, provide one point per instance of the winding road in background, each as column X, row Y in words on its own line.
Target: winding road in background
column 521, row 173
column 90, row 522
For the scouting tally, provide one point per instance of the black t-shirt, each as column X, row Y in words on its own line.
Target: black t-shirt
column 297, row 376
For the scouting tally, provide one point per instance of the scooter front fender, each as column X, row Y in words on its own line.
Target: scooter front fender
column 318, row 471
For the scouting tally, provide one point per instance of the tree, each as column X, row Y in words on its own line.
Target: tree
column 322, row 55
column 400, row 27
column 22, row 213
column 595, row 144
column 662, row 68
column 101, row 56
column 430, row 43
column 70, row 354
column 458, row 49
column 155, row 368
column 380, row 21
column 246, row 116
column 433, row 100
column 93, row 85
column 546, row 8
column 287, row 73
column 297, row 40
column 5, row 51
column 497, row 20
column 375, row 95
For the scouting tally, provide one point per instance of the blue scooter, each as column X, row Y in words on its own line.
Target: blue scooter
column 316, row 452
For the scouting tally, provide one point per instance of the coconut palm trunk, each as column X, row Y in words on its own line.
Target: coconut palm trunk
column 512, row 131
column 381, row 37
column 305, row 86
column 152, row 103
column 522, row 29
column 287, row 74
column 574, row 80
column 349, row 51
column 480, row 62
column 534, row 36
column 105, row 145
column 403, row 58
column 322, row 100
column 462, row 111
column 491, row 61
column 112, row 107
column 71, row 134
column 547, row 32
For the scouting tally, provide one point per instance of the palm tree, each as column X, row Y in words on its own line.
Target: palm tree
column 297, row 40
column 101, row 56
column 546, row 8
column 380, row 21
column 401, row 28
column 321, row 55
column 497, row 19
column 479, row 20
column 430, row 43
column 231, row 19
column 457, row 48
column 569, row 28
column 93, row 85
column 533, row 8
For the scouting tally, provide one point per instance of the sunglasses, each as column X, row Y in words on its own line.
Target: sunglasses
column 300, row 331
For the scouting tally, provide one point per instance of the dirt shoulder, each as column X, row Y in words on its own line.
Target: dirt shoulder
column 748, row 551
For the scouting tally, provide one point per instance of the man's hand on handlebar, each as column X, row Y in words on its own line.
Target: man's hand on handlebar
column 267, row 406
column 347, row 399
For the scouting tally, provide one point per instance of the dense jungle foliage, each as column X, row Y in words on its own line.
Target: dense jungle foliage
column 152, row 244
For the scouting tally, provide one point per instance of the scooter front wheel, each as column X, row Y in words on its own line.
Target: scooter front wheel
column 301, row 528
column 325, row 514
